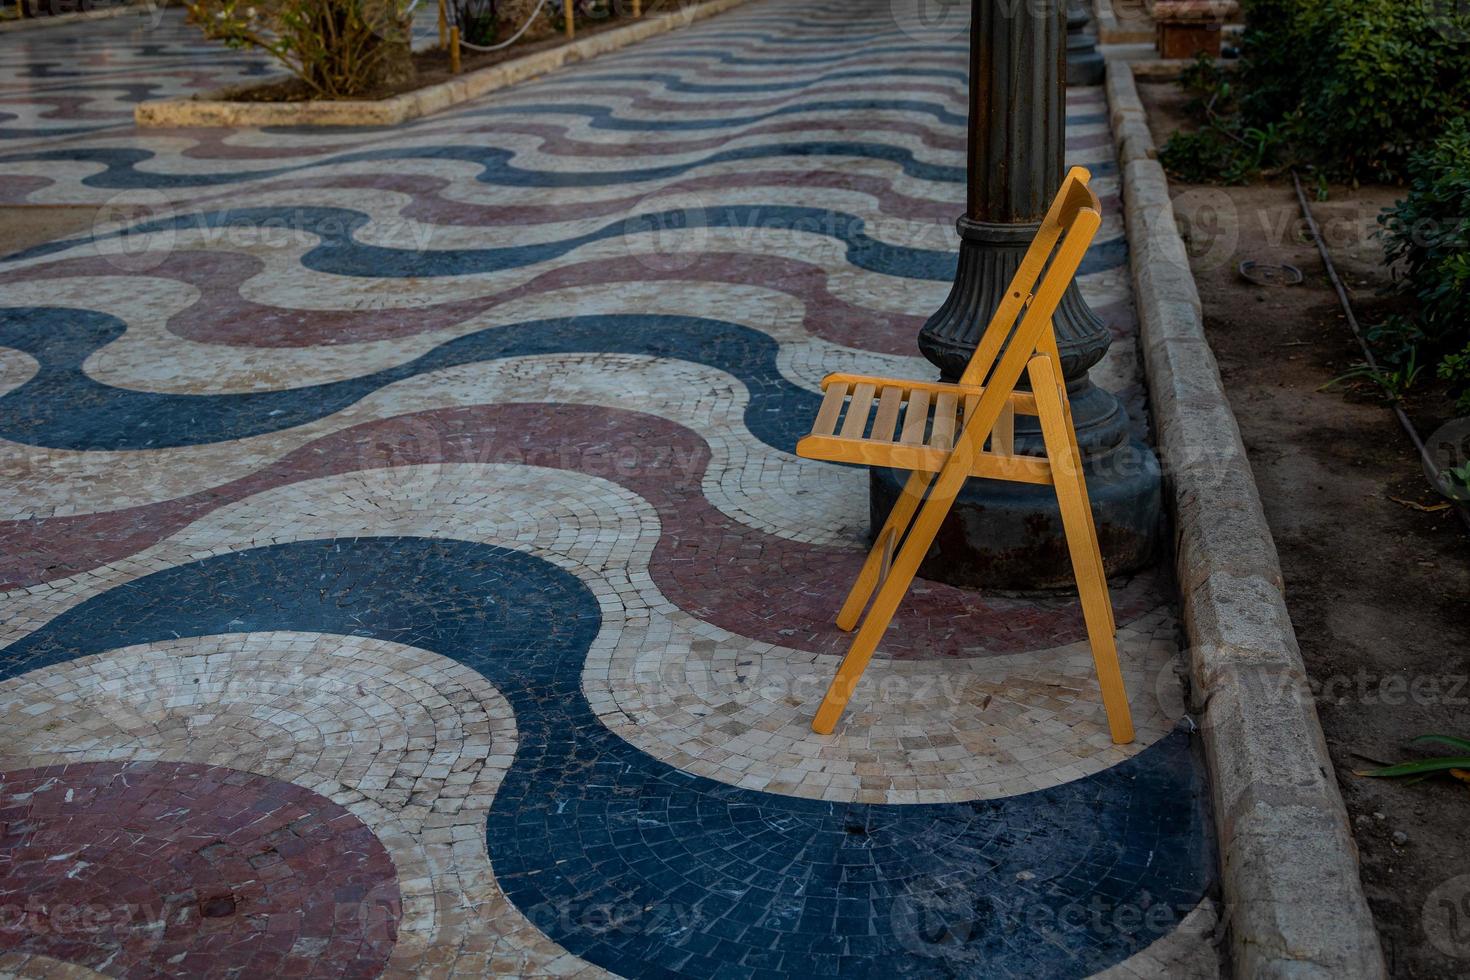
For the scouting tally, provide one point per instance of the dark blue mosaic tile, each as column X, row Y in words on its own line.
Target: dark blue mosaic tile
column 727, row 882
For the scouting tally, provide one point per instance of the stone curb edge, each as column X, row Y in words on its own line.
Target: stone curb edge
column 1293, row 899
column 141, row 8
column 217, row 110
column 1110, row 31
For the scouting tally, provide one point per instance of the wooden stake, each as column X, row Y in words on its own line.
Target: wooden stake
column 443, row 26
column 566, row 7
column 637, row 8
column 454, row 49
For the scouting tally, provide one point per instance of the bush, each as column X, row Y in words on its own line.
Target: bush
column 339, row 48
column 1357, row 83
column 1427, row 238
column 1224, row 150
column 478, row 20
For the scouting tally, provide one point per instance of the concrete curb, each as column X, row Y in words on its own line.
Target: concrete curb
column 141, row 8
column 1170, row 69
column 216, row 108
column 1110, row 31
column 1293, row 900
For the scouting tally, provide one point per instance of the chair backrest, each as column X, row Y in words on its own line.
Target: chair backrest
column 1053, row 259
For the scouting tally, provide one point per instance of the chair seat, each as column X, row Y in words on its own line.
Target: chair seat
column 912, row 425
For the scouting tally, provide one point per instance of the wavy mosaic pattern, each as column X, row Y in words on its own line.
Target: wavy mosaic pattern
column 401, row 526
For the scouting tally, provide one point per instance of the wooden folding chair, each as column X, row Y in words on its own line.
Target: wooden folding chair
column 943, row 434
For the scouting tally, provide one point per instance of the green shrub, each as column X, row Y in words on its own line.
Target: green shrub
column 1207, row 156
column 1427, row 239
column 1273, row 59
column 478, row 20
column 1224, row 150
column 1357, row 83
column 339, row 48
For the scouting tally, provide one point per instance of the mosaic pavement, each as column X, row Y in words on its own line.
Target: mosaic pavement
column 406, row 569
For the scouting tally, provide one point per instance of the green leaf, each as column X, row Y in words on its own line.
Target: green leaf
column 1463, row 744
column 1420, row 767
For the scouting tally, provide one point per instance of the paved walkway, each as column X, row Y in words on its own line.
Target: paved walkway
column 406, row 567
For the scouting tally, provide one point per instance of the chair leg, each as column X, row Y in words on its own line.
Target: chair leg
column 885, row 604
column 1092, row 583
column 1086, row 502
column 1049, row 347
column 887, row 543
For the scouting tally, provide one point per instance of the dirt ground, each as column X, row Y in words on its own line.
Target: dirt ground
column 1379, row 591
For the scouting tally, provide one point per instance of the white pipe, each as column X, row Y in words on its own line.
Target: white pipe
column 508, row 41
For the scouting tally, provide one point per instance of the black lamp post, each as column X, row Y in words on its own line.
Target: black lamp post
column 1009, row 535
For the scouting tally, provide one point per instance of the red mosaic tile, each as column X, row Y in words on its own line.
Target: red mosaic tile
column 150, row 869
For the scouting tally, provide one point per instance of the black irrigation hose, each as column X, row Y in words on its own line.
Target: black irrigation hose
column 1352, row 319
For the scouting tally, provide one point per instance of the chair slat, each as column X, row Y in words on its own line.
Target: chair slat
column 858, row 411
column 1003, row 436
column 889, row 402
column 970, row 402
column 865, row 452
column 915, row 418
column 832, row 401
column 1023, row 401
column 945, row 407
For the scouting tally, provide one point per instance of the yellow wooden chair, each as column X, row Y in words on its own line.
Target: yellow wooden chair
column 943, row 434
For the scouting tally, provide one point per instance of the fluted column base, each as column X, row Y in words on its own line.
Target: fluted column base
column 990, row 254
column 1085, row 64
column 1007, row 535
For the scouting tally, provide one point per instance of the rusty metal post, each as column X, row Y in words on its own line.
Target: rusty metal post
column 443, row 25
column 566, row 7
column 454, row 49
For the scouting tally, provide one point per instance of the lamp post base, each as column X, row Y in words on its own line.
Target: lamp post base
column 1085, row 64
column 1009, row 535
